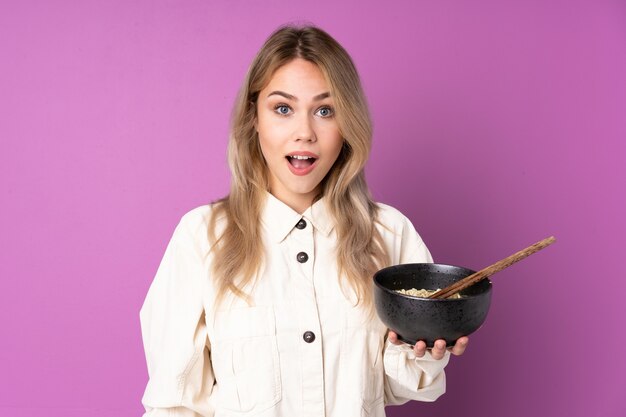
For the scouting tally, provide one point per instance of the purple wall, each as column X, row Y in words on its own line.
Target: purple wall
column 497, row 123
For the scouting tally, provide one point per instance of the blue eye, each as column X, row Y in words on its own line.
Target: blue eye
column 282, row 109
column 325, row 112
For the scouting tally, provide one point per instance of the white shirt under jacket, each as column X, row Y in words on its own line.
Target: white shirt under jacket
column 253, row 360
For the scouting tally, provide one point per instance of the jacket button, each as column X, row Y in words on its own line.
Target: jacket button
column 302, row 257
column 301, row 224
column 308, row 337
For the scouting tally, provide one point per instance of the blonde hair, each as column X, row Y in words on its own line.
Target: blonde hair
column 238, row 251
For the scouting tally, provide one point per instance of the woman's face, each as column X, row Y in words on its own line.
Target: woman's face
column 298, row 132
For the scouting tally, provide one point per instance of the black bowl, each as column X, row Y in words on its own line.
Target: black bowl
column 416, row 318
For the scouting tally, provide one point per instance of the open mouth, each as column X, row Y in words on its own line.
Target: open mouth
column 300, row 162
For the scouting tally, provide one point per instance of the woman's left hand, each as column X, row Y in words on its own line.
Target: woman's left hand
column 437, row 351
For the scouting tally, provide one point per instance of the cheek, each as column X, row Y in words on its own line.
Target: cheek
column 270, row 133
column 266, row 148
column 271, row 150
column 335, row 143
column 267, row 138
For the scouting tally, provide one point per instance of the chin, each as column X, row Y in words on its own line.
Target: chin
column 299, row 187
column 303, row 191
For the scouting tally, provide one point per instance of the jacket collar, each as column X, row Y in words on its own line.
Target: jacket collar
column 279, row 219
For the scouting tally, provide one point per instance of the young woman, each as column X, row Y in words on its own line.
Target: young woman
column 262, row 304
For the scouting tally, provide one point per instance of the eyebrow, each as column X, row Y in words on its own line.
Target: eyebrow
column 294, row 98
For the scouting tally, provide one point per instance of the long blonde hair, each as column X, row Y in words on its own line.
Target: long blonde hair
column 238, row 250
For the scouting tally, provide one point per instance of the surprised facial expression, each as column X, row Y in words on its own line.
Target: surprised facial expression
column 298, row 132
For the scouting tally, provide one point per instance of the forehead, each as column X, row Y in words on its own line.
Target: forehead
column 298, row 76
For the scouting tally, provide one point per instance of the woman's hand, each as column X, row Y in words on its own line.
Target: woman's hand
column 437, row 351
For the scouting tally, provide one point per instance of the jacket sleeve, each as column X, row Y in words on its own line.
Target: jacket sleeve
column 174, row 332
column 406, row 376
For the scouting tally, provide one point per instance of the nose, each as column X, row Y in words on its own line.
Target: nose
column 304, row 129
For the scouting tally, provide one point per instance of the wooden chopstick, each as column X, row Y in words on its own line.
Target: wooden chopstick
column 492, row 269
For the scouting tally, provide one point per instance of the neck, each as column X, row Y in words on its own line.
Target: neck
column 299, row 203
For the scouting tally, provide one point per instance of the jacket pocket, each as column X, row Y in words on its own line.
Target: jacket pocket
column 373, row 384
column 362, row 347
column 245, row 360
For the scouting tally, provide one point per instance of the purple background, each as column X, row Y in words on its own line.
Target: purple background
column 497, row 123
